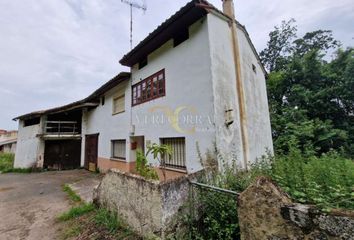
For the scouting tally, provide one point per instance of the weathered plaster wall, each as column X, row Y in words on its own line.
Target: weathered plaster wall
column 188, row 85
column 29, row 146
column 109, row 126
column 149, row 207
column 255, row 90
column 228, row 138
column 265, row 212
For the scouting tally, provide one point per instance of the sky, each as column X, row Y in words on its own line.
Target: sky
column 53, row 52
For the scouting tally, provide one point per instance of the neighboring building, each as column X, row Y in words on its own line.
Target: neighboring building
column 8, row 141
column 185, row 89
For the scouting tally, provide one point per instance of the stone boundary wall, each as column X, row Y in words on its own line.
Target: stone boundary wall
column 149, row 207
column 266, row 212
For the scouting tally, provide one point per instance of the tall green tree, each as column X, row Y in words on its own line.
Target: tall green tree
column 311, row 100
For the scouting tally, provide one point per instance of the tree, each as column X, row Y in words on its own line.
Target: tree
column 321, row 40
column 311, row 100
column 278, row 46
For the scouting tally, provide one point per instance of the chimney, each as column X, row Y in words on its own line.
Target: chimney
column 228, row 8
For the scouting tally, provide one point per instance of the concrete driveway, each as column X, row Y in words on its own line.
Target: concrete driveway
column 30, row 203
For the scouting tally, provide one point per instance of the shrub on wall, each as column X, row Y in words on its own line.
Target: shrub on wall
column 143, row 168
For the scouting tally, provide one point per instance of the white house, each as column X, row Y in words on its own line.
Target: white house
column 196, row 83
column 8, row 141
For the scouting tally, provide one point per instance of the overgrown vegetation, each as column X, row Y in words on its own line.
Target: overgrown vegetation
column 71, row 194
column 212, row 215
column 7, row 165
column 311, row 96
column 142, row 167
column 97, row 224
column 325, row 181
column 85, row 221
column 6, row 161
column 77, row 211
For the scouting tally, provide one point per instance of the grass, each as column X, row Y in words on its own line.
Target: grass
column 72, row 231
column 108, row 220
column 7, row 164
column 19, row 170
column 71, row 194
column 96, row 224
column 6, row 161
column 91, row 223
column 325, row 181
column 77, row 211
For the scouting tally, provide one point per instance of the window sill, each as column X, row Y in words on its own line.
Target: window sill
column 118, row 113
column 175, row 169
column 118, row 159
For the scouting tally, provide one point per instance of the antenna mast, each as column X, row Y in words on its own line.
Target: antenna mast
column 132, row 5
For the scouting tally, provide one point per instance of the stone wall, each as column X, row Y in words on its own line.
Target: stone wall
column 149, row 207
column 265, row 212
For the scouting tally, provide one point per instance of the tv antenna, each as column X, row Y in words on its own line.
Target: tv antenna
column 133, row 4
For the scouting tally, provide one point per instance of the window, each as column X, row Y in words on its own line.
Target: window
column 178, row 156
column 143, row 62
column 118, row 149
column 31, row 122
column 119, row 104
column 150, row 88
column 102, row 100
column 180, row 37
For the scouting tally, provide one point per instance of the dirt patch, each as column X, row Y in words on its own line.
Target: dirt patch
column 30, row 203
column 6, row 189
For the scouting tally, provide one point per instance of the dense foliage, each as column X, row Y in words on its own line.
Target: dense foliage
column 326, row 181
column 311, row 100
column 6, row 161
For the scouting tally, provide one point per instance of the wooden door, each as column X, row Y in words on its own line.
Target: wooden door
column 62, row 154
column 91, row 150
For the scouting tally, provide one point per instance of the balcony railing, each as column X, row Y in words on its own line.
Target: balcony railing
column 61, row 128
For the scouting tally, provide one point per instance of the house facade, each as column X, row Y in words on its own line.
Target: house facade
column 8, row 140
column 186, row 88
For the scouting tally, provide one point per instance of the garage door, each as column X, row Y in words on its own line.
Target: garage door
column 62, row 154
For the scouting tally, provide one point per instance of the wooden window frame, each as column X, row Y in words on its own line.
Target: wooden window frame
column 112, row 151
column 139, row 89
column 113, row 107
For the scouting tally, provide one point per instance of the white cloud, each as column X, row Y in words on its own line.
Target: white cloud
column 53, row 52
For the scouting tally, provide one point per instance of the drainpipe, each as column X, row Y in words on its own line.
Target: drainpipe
column 228, row 9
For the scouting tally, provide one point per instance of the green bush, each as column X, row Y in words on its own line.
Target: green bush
column 326, row 181
column 143, row 168
column 213, row 216
column 6, row 161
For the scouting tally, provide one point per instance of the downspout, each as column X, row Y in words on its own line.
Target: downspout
column 228, row 9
